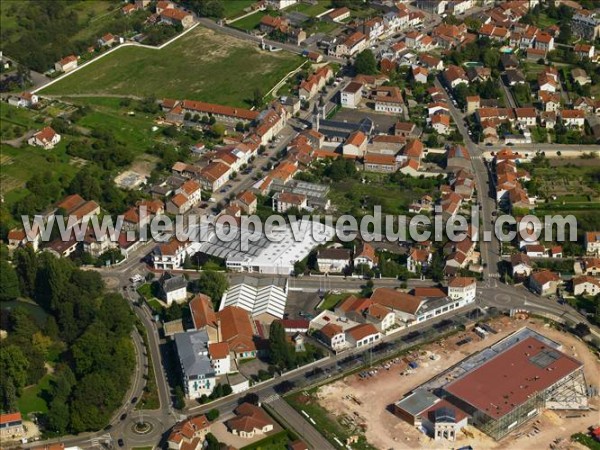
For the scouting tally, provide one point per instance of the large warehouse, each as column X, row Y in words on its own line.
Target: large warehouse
column 508, row 383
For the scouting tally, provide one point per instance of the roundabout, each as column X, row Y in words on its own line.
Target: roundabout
column 142, row 427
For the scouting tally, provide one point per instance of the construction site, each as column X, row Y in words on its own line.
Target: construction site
column 448, row 389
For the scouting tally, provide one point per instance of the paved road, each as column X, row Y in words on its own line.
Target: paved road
column 298, row 423
column 489, row 245
column 508, row 94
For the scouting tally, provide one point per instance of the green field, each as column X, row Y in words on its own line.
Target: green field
column 135, row 131
column 235, row 8
column 331, row 300
column 92, row 15
column 32, row 398
column 202, row 65
column 251, row 22
column 393, row 198
column 17, row 166
column 310, row 10
column 274, row 442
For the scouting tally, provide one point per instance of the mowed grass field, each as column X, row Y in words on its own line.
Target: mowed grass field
column 202, row 65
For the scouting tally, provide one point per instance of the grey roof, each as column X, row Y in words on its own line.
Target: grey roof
column 192, row 348
column 258, row 283
column 171, row 283
column 334, row 253
column 444, row 415
column 343, row 129
column 417, row 402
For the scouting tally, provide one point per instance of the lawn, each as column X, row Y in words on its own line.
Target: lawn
column 17, row 166
column 203, row 65
column 276, row 441
column 134, row 131
column 32, row 398
column 251, row 22
column 14, row 122
column 393, row 198
column 310, row 10
column 331, row 300
column 235, row 8
column 322, row 26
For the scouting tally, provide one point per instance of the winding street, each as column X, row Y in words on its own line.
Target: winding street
column 491, row 293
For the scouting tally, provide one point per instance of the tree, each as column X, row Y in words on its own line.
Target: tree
column 8, row 396
column 25, row 261
column 212, row 415
column 366, row 63
column 58, row 415
column 9, row 282
column 257, row 98
column 299, row 267
column 212, row 443
column 213, row 284
column 179, row 402
column 281, row 352
column 14, row 365
column 218, row 130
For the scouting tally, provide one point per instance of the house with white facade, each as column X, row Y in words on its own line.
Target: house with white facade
column 362, row 335
column 333, row 259
column 462, row 288
column 46, row 138
column 586, row 285
column 199, row 376
column 173, row 288
column 351, row 95
column 592, row 242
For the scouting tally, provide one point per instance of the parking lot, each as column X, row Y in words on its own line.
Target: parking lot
column 361, row 401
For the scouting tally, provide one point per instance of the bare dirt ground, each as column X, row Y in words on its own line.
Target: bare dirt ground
column 366, row 401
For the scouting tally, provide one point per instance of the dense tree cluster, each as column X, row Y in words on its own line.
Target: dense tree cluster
column 207, row 8
column 87, row 329
column 366, row 63
column 283, row 355
column 340, row 169
column 211, row 283
column 47, row 31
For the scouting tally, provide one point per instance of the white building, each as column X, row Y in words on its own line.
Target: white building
column 351, row 95
column 464, row 288
column 66, row 64
column 220, row 358
column 199, row 377
column 173, row 288
column 258, row 296
column 46, row 138
column 281, row 4
column 586, row 285
column 592, row 242
column 333, row 259
column 362, row 335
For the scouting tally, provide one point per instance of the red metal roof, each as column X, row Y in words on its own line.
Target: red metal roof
column 510, row 378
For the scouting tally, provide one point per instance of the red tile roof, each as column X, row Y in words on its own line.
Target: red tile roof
column 218, row 350
column 211, row 108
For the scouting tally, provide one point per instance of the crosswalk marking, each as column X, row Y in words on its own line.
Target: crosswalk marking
column 271, row 398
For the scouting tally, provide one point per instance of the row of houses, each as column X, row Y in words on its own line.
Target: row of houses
column 357, row 322
column 365, row 33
